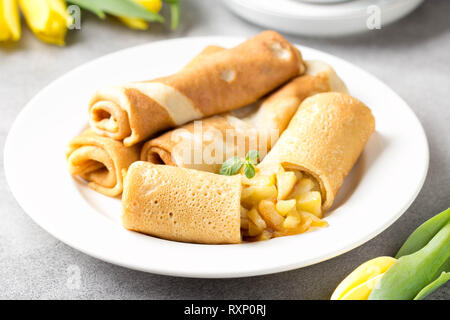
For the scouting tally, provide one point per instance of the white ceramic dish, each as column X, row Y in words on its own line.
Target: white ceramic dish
column 324, row 1
column 320, row 17
column 381, row 186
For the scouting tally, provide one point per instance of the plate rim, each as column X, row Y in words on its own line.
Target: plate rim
column 328, row 23
column 325, row 15
column 203, row 274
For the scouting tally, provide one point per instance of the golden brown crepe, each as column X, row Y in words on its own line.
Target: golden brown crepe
column 257, row 128
column 100, row 161
column 204, row 54
column 324, row 139
column 225, row 80
column 181, row 204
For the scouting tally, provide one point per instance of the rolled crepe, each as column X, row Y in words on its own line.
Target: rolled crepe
column 100, row 161
column 324, row 139
column 226, row 80
column 204, row 54
column 204, row 146
column 181, row 204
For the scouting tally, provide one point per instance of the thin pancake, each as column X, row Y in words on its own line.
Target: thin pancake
column 181, row 204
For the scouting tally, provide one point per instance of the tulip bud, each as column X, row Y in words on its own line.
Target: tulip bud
column 359, row 284
column 151, row 5
column 139, row 24
column 9, row 20
column 48, row 19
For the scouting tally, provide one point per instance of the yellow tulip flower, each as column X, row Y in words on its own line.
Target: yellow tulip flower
column 359, row 284
column 139, row 24
column 151, row 5
column 9, row 20
column 134, row 23
column 48, row 19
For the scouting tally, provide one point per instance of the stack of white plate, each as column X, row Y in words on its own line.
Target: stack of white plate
column 322, row 17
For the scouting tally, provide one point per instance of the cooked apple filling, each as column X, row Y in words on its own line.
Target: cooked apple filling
column 280, row 204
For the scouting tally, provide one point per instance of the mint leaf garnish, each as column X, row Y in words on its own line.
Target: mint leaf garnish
column 249, row 170
column 252, row 156
column 234, row 164
column 231, row 166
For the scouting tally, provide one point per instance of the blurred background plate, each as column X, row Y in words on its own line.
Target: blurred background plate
column 320, row 19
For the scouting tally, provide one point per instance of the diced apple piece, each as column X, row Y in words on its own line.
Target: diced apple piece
column 254, row 216
column 285, row 206
column 311, row 202
column 306, row 184
column 244, row 223
column 292, row 221
column 306, row 225
column 259, row 180
column 285, row 182
column 246, row 192
column 273, row 219
column 316, row 222
column 253, row 229
column 253, row 194
column 300, row 228
column 265, row 235
column 320, row 224
column 303, row 185
column 243, row 212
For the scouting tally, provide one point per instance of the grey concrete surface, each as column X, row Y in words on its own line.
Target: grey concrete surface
column 412, row 56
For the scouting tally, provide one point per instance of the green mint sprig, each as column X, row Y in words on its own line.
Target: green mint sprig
column 232, row 166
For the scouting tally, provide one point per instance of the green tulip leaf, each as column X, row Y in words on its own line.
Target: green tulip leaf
column 433, row 286
column 424, row 233
column 174, row 13
column 122, row 8
column 412, row 273
column 90, row 6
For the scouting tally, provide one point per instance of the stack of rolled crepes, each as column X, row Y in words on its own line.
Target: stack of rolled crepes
column 215, row 81
column 254, row 127
column 206, row 144
column 324, row 139
column 259, row 95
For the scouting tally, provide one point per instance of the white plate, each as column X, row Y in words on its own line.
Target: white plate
column 382, row 185
column 320, row 19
